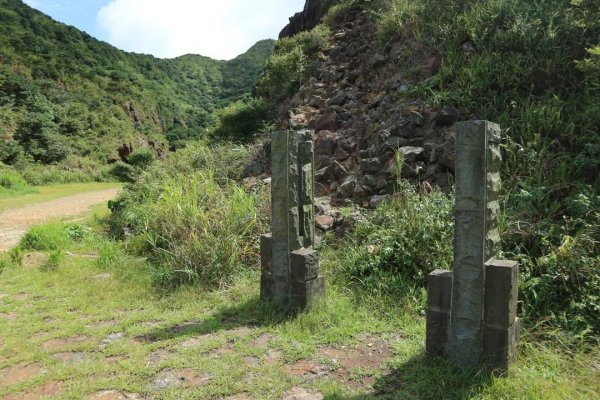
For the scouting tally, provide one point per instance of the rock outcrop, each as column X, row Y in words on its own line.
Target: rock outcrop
column 304, row 20
column 370, row 127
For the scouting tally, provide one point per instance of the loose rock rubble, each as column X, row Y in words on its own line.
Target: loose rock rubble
column 370, row 130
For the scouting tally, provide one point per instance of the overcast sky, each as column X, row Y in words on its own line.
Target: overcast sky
column 220, row 29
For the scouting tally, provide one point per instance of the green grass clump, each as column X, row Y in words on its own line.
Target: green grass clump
column 396, row 247
column 194, row 222
column 12, row 181
column 53, row 236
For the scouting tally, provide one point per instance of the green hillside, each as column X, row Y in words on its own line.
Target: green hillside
column 65, row 94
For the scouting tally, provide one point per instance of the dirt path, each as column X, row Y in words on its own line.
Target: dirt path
column 14, row 222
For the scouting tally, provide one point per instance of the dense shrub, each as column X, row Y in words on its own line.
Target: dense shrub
column 141, row 158
column 241, row 120
column 292, row 61
column 190, row 218
column 11, row 180
column 394, row 249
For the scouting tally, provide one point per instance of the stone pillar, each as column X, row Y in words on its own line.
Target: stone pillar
column 501, row 325
column 266, row 266
column 476, row 234
column 292, row 202
column 439, row 303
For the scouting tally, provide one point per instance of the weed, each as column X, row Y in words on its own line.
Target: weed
column 54, row 260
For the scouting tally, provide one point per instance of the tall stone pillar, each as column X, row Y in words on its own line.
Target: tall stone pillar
column 476, row 234
column 290, row 244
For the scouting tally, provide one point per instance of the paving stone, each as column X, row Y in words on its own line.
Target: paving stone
column 10, row 316
column 158, row 356
column 273, row 356
column 113, row 337
column 197, row 341
column 57, row 343
column 46, row 390
column 21, row 296
column 70, row 358
column 19, row 373
column 252, row 361
column 114, row 395
column 308, row 370
column 187, row 377
column 262, row 341
column 299, row 393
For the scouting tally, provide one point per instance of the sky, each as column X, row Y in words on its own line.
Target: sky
column 220, row 29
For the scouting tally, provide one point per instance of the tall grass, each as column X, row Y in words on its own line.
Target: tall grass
column 195, row 224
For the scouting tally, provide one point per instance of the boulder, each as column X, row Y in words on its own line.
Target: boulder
column 327, row 122
column 412, row 154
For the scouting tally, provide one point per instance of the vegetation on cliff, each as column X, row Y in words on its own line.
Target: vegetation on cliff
column 65, row 95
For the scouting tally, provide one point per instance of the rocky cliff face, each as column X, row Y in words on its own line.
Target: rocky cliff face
column 369, row 128
column 304, row 20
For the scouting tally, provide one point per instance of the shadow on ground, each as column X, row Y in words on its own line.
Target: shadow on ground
column 425, row 378
column 251, row 313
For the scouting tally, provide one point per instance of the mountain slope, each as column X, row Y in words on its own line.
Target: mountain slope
column 65, row 93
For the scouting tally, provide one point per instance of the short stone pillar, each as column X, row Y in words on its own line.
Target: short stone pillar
column 290, row 245
column 439, row 303
column 479, row 296
column 501, row 328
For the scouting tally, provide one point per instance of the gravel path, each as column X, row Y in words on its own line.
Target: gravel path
column 14, row 222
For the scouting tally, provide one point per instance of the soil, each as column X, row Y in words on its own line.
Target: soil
column 14, row 222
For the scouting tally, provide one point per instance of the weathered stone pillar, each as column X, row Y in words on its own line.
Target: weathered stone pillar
column 501, row 325
column 476, row 234
column 439, row 304
column 266, row 266
column 292, row 202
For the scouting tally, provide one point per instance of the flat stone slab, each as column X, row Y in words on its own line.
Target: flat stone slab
column 70, row 358
column 197, row 341
column 308, row 370
column 299, row 393
column 186, row 377
column 19, row 373
column 262, row 341
column 113, row 337
column 49, row 389
column 272, row 357
column 34, row 260
column 10, row 316
column 239, row 396
column 159, row 356
column 21, row 296
column 57, row 343
column 114, row 395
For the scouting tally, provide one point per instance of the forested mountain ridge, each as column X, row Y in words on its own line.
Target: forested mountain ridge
column 64, row 93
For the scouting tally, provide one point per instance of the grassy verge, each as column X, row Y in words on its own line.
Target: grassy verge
column 117, row 332
column 45, row 193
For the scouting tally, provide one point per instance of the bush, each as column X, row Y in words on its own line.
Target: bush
column 292, row 61
column 193, row 222
column 241, row 120
column 11, row 180
column 393, row 251
column 141, row 158
column 124, row 172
